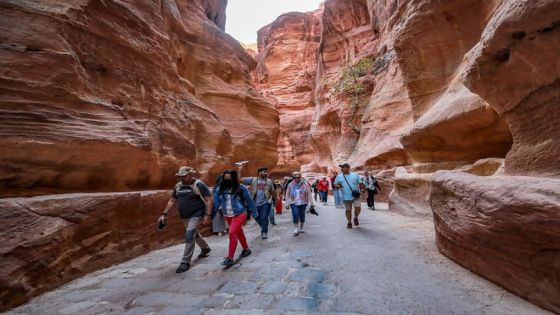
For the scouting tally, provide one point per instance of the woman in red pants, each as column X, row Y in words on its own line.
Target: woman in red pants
column 233, row 200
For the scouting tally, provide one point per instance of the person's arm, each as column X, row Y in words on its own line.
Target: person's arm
column 172, row 201
column 249, row 202
column 288, row 195
column 246, row 180
column 310, row 194
column 217, row 201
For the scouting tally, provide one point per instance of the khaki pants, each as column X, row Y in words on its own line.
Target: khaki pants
column 348, row 204
column 192, row 236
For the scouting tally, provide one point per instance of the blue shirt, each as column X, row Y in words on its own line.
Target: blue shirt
column 353, row 179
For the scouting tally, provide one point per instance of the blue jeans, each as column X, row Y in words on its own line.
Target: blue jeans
column 298, row 213
column 271, row 215
column 264, row 213
column 324, row 195
column 337, row 197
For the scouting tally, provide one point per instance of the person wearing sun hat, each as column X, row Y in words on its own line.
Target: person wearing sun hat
column 194, row 204
column 351, row 184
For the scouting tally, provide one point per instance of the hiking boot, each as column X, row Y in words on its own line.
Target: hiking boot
column 204, row 253
column 182, row 268
column 245, row 253
column 264, row 236
column 227, row 262
column 349, row 225
column 356, row 222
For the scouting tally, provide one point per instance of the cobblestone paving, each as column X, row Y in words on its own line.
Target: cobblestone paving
column 389, row 265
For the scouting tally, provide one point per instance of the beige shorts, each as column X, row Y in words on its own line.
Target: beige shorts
column 348, row 204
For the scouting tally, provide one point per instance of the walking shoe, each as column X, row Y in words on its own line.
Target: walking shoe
column 295, row 232
column 301, row 230
column 245, row 253
column 349, row 225
column 372, row 207
column 182, row 268
column 264, row 236
column 204, row 253
column 273, row 223
column 227, row 262
column 356, row 222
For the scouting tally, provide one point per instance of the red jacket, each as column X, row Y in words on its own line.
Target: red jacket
column 323, row 185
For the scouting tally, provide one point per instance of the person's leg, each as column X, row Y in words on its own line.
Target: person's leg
column 357, row 209
column 348, row 208
column 263, row 215
column 323, row 196
column 233, row 235
column 370, row 198
column 301, row 212
column 271, row 215
column 191, row 228
column 240, row 219
column 295, row 218
column 315, row 193
column 373, row 200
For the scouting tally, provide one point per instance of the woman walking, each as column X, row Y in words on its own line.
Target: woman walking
column 234, row 200
column 298, row 196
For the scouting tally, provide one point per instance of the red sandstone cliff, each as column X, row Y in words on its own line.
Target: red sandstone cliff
column 111, row 96
column 444, row 85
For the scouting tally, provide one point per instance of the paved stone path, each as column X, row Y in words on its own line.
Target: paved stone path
column 389, row 265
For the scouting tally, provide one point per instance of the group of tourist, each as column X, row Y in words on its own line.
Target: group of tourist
column 235, row 198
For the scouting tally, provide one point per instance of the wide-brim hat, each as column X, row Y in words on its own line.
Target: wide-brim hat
column 184, row 171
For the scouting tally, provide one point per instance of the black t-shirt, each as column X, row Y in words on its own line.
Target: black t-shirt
column 189, row 203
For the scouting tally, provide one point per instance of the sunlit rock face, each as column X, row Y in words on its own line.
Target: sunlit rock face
column 114, row 96
column 285, row 75
column 109, row 97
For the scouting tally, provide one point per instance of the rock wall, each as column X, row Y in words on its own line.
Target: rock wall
column 113, row 96
column 470, row 86
column 104, row 98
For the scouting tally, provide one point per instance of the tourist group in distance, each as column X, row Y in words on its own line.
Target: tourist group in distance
column 234, row 199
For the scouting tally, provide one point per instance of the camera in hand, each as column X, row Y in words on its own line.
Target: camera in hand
column 241, row 163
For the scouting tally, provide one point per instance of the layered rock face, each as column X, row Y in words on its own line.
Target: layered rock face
column 451, row 85
column 112, row 96
column 286, row 75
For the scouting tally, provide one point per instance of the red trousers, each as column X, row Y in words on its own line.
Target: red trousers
column 236, row 233
column 279, row 205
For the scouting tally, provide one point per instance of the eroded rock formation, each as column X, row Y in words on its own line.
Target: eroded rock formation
column 112, row 96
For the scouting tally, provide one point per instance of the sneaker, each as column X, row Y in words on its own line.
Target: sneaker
column 296, row 232
column 349, row 225
column 227, row 262
column 273, row 223
column 264, row 236
column 245, row 253
column 373, row 208
column 182, row 268
column 204, row 253
column 301, row 230
column 356, row 222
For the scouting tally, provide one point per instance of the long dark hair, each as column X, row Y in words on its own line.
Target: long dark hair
column 234, row 181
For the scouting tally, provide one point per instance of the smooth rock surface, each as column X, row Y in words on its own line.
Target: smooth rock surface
column 506, row 229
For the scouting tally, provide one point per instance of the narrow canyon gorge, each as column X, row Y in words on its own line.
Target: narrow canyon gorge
column 455, row 106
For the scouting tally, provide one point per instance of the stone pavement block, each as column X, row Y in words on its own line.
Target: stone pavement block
column 240, row 288
column 215, row 301
column 245, row 312
column 250, row 302
column 204, row 286
column 296, row 303
column 180, row 311
column 275, row 287
column 141, row 310
column 317, row 289
column 227, row 275
column 307, row 274
column 168, row 299
column 75, row 308
column 269, row 274
column 302, row 253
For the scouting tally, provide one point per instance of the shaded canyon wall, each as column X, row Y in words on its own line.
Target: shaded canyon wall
column 461, row 96
column 100, row 98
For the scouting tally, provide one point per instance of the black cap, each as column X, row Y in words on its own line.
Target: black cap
column 344, row 165
column 260, row 169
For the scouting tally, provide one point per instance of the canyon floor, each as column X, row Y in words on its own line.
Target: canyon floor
column 389, row 265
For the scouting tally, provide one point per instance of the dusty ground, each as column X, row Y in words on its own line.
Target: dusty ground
column 389, row 265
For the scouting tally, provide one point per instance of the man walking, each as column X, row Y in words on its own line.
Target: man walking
column 372, row 186
column 323, row 187
column 350, row 184
column 263, row 193
column 194, row 203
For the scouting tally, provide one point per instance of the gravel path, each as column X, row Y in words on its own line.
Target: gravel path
column 389, row 265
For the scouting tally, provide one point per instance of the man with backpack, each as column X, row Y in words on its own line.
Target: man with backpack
column 263, row 193
column 371, row 184
column 194, row 204
column 351, row 185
